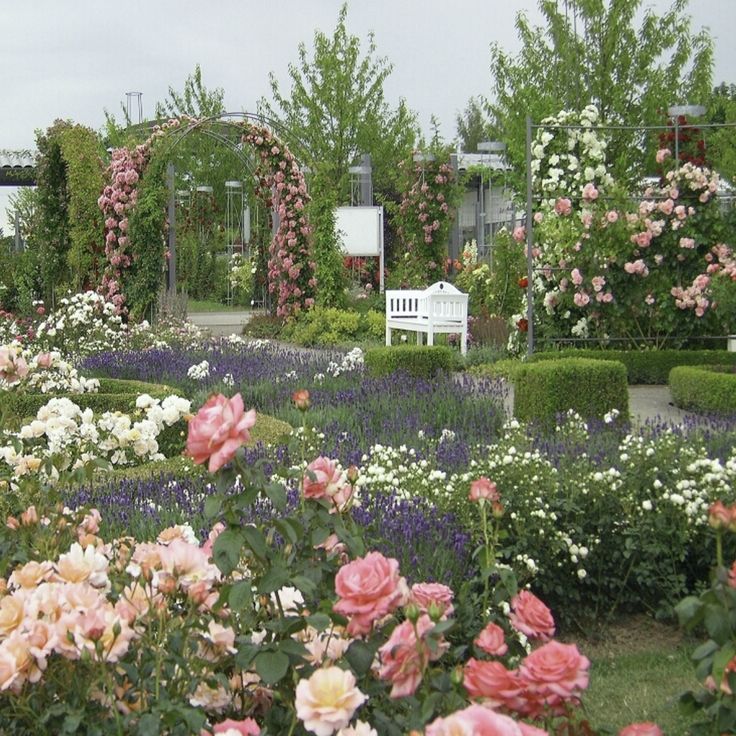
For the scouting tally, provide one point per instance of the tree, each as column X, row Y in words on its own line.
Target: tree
column 590, row 51
column 336, row 110
column 473, row 125
column 720, row 143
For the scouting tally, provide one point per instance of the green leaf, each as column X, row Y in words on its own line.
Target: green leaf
column 271, row 666
column 689, row 611
column 293, row 647
column 717, row 624
column 360, row 657
column 226, row 550
column 274, row 579
column 277, row 495
column 256, row 541
column 320, row 621
column 241, row 595
column 149, row 725
column 212, row 506
column 304, row 584
column 286, row 530
column 704, row 650
column 721, row 660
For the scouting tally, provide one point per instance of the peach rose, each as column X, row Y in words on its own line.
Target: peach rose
column 327, row 701
column 247, row 727
column 369, row 588
column 301, row 399
column 554, row 673
column 361, row 728
column 323, row 478
column 405, row 656
column 646, row 728
column 494, row 683
column 492, row 640
column 218, row 430
column 426, row 595
column 483, row 489
column 531, row 616
column 477, row 719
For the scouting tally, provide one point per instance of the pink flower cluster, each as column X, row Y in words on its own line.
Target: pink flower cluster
column 281, row 184
column 697, row 296
column 13, row 367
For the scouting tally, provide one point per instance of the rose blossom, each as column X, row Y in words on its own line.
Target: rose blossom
column 361, row 728
column 369, row 588
column 327, row 700
column 641, row 729
column 229, row 727
column 405, row 656
column 554, row 673
column 426, row 595
column 492, row 640
column 218, row 430
column 476, row 720
column 531, row 616
column 323, row 478
column 483, row 489
column 492, row 682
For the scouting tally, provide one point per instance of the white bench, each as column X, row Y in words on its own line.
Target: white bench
column 439, row 308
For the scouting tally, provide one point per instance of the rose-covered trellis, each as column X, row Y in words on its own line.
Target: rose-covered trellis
column 279, row 183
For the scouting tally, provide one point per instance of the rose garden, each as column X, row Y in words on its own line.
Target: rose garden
column 297, row 529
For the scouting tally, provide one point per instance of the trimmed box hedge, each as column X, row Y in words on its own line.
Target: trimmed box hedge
column 704, row 388
column 115, row 394
column 592, row 388
column 644, row 366
column 423, row 361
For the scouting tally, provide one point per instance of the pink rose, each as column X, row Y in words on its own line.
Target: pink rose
column 405, row 656
column 531, row 616
column 483, row 489
column 576, row 276
column 646, row 728
column 554, row 673
column 218, row 430
column 590, row 193
column 426, row 595
column 662, row 154
column 322, row 479
column 492, row 640
column 491, row 681
column 44, row 360
column 477, row 719
column 369, row 588
column 247, row 727
column 563, row 206
column 519, row 234
column 581, row 299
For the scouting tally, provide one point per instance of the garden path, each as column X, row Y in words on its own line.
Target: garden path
column 221, row 323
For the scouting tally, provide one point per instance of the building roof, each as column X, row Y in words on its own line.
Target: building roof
column 17, row 167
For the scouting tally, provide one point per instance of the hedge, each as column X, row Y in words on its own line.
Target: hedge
column 423, row 361
column 590, row 387
column 115, row 394
column 704, row 388
column 645, row 366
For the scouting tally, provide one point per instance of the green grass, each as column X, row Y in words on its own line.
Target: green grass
column 638, row 671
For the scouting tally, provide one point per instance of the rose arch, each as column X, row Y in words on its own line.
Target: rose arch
column 134, row 214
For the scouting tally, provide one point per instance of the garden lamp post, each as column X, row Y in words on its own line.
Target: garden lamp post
column 675, row 112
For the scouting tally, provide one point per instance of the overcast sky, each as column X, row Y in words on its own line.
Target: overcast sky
column 72, row 59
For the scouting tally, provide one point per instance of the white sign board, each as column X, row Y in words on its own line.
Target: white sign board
column 359, row 231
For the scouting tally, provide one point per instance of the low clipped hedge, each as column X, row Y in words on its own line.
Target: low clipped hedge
column 704, row 388
column 590, row 387
column 327, row 326
column 115, row 394
column 644, row 366
column 423, row 361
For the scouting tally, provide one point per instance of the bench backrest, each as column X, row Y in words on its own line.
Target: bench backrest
column 438, row 301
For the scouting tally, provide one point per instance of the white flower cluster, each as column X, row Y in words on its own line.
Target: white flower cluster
column 564, row 158
column 50, row 373
column 82, row 324
column 352, row 361
column 71, row 437
column 199, row 371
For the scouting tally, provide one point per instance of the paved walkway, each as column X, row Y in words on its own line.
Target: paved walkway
column 227, row 322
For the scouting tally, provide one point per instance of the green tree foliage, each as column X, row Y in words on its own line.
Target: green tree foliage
column 721, row 142
column 591, row 51
column 336, row 110
column 473, row 125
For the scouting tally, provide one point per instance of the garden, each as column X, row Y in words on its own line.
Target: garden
column 299, row 529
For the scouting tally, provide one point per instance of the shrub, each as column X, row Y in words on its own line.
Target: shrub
column 420, row 361
column 590, row 387
column 331, row 326
column 645, row 366
column 704, row 388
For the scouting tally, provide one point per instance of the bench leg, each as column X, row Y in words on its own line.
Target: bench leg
column 388, row 336
column 430, row 337
column 420, row 340
column 464, row 343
